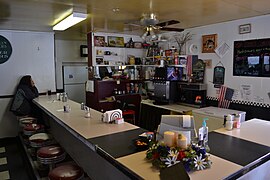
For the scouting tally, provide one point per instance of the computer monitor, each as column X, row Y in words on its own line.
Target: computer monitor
column 174, row 73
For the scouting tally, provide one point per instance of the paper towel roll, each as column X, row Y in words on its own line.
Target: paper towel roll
column 186, row 121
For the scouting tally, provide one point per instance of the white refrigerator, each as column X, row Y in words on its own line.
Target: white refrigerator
column 74, row 79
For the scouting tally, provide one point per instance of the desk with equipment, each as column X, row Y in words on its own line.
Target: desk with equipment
column 106, row 151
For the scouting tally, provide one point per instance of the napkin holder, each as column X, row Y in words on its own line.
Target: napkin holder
column 112, row 115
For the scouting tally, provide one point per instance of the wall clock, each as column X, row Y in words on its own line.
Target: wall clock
column 193, row 49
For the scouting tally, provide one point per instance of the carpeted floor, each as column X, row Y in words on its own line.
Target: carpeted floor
column 13, row 164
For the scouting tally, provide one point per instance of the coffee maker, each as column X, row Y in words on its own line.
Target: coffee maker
column 165, row 91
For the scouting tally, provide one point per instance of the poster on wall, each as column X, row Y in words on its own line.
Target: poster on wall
column 258, row 99
column 246, row 92
column 222, row 49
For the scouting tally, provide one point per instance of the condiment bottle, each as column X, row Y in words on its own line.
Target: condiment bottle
column 229, row 122
column 87, row 112
column 237, row 121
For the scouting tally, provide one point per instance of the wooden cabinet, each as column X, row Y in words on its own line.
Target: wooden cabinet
column 102, row 89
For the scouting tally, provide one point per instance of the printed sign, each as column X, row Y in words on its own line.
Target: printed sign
column 5, row 49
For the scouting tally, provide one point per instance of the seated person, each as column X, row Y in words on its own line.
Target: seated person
column 26, row 91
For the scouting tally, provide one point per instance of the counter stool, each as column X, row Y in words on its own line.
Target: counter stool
column 66, row 172
column 129, row 115
column 30, row 129
column 50, row 155
column 40, row 140
column 26, row 120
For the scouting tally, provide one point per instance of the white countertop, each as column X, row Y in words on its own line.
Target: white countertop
column 172, row 107
column 248, row 132
column 86, row 127
column 217, row 112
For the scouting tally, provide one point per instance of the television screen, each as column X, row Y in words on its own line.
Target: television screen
column 174, row 73
column 253, row 60
column 253, row 65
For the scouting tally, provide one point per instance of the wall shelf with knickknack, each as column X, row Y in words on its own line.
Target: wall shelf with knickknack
column 113, row 49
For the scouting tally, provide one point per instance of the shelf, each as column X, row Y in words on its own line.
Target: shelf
column 156, row 57
column 101, row 47
column 106, row 101
column 103, row 65
column 104, row 56
column 177, row 65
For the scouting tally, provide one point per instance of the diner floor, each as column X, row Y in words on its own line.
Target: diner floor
column 13, row 164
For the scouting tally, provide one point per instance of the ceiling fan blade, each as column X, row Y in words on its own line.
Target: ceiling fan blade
column 132, row 24
column 167, row 23
column 171, row 29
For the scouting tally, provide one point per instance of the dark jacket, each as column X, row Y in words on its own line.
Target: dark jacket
column 22, row 102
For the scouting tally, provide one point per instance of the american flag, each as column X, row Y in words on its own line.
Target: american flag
column 225, row 97
column 189, row 65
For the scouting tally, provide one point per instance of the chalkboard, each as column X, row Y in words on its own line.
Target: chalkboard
column 219, row 75
column 251, row 58
column 5, row 49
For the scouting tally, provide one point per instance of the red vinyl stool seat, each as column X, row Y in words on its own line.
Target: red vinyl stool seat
column 30, row 129
column 66, row 172
column 129, row 115
column 50, row 155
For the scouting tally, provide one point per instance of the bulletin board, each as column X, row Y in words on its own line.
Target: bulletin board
column 33, row 54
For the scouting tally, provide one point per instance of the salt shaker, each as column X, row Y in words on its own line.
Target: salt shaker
column 87, row 112
column 229, row 122
column 64, row 97
column 82, row 106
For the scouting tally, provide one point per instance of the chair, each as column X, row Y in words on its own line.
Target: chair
column 179, row 123
column 128, row 111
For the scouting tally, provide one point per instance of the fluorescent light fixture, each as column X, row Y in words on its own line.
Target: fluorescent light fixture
column 69, row 21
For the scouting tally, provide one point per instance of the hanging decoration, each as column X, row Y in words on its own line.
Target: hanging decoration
column 219, row 75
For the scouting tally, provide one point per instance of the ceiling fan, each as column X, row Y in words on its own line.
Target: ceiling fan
column 150, row 23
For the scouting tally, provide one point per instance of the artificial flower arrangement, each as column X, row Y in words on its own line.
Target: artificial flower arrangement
column 194, row 157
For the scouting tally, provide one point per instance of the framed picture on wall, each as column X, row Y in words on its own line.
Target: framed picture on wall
column 209, row 43
column 245, row 28
column 99, row 41
column 114, row 41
